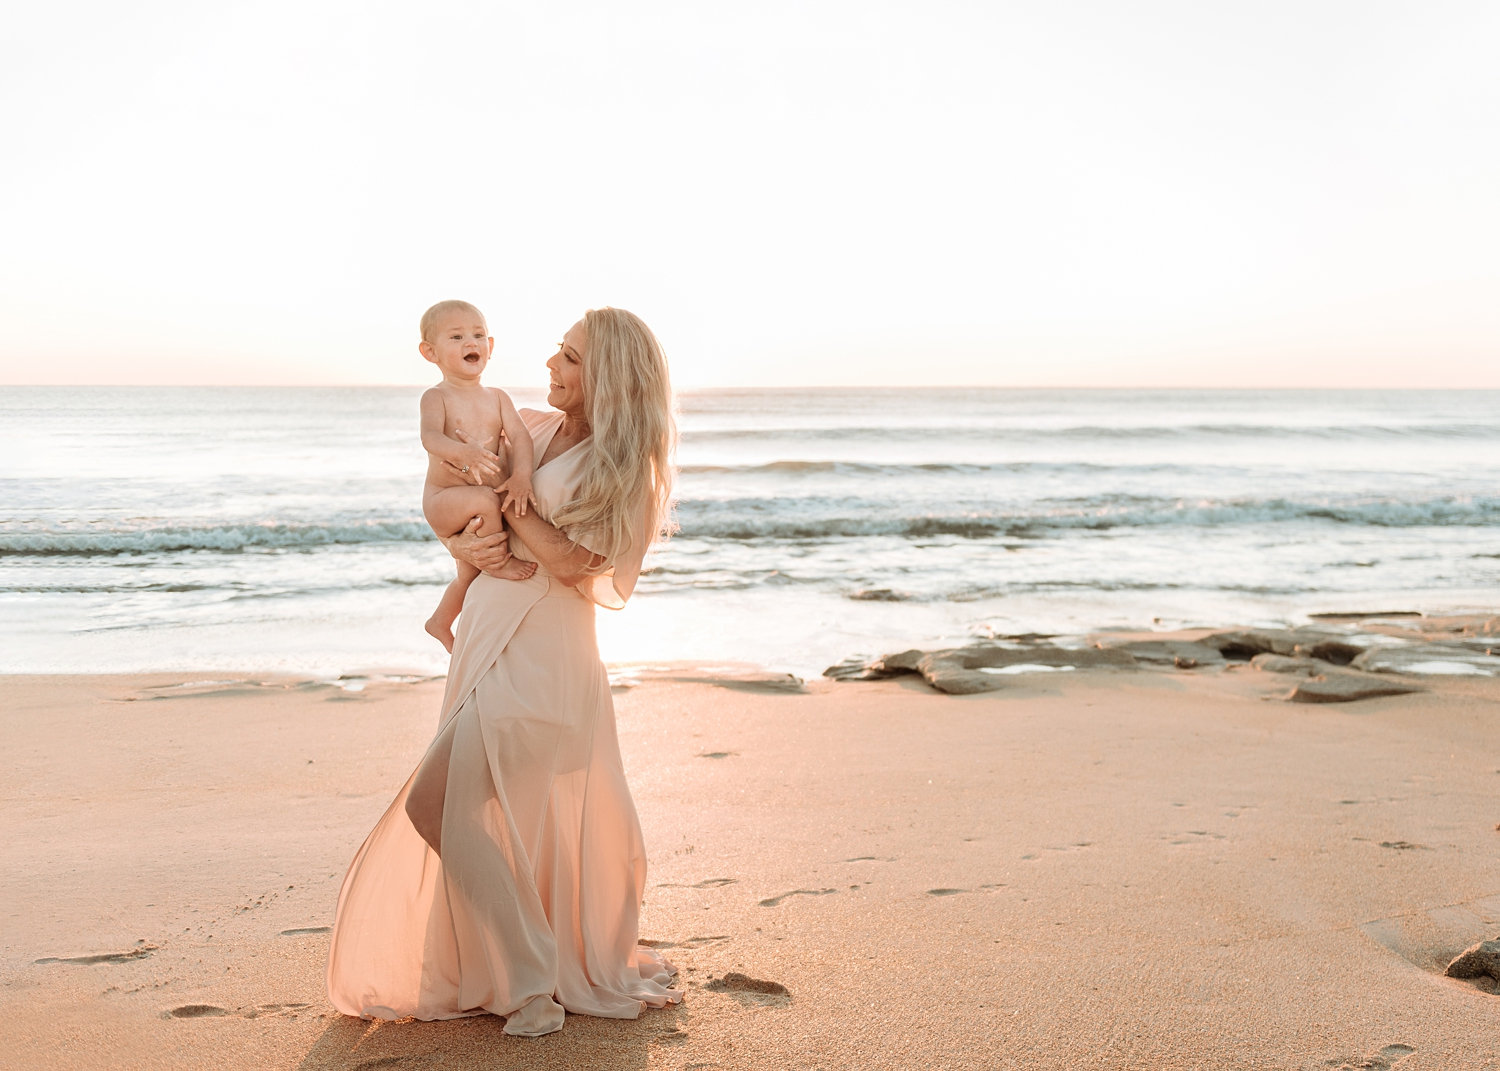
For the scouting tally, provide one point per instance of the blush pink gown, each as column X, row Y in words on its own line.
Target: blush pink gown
column 534, row 905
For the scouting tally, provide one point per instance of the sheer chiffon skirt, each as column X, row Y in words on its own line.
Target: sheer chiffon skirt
column 533, row 906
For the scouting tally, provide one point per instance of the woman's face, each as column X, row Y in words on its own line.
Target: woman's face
column 565, row 392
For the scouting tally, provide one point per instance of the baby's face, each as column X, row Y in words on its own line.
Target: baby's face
column 460, row 346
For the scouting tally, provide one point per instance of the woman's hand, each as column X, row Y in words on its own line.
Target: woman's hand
column 487, row 553
column 475, row 464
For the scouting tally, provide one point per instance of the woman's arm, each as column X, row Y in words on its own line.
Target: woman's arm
column 558, row 554
column 554, row 551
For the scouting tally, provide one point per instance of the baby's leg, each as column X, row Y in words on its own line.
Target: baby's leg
column 440, row 625
column 449, row 510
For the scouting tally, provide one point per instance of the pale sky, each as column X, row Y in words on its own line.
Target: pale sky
column 1190, row 193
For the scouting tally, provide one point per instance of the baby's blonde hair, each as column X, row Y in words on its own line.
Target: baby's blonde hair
column 442, row 308
column 628, row 398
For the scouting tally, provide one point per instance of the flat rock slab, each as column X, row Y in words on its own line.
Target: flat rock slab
column 1348, row 687
column 1297, row 667
column 1338, row 665
column 949, row 676
column 1430, row 659
column 1179, row 654
column 1246, row 643
column 1242, row 644
column 960, row 670
column 996, row 656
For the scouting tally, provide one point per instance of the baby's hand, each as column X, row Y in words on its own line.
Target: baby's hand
column 516, row 492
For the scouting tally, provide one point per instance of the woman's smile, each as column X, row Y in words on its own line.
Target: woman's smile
column 565, row 368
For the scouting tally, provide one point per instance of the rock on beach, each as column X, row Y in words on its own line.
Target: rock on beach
column 1339, row 665
column 1477, row 961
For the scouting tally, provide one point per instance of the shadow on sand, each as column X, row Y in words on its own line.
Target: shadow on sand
column 480, row 1042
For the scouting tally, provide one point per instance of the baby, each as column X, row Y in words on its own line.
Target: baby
column 461, row 425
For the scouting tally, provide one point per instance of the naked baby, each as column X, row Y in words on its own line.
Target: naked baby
column 470, row 472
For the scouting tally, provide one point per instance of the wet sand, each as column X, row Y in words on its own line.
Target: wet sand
column 1098, row 868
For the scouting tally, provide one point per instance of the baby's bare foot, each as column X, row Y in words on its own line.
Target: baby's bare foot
column 516, row 569
column 440, row 632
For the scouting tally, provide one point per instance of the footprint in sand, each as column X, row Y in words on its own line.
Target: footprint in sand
column 749, row 990
column 691, row 942
column 1193, row 836
column 773, row 901
column 1388, row 1058
column 142, row 950
column 211, row 1011
column 196, row 1011
column 1076, row 846
column 989, row 887
column 273, row 1009
column 672, row 1035
column 706, row 883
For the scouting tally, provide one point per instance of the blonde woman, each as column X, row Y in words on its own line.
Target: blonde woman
column 507, row 875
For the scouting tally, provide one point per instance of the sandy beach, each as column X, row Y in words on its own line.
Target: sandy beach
column 1051, row 458
column 1104, row 868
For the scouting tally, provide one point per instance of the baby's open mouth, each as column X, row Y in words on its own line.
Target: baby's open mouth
column 472, row 358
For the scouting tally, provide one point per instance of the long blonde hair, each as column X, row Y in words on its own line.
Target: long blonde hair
column 628, row 401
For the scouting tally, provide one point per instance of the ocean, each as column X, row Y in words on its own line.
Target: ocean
column 280, row 529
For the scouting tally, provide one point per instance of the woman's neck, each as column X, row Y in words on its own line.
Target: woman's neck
column 574, row 426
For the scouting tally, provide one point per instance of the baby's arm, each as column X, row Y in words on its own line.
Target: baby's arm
column 470, row 458
column 517, row 488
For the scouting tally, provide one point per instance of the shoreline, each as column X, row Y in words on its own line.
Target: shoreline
column 1467, row 639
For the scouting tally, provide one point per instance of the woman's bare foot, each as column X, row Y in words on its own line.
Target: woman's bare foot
column 515, row 569
column 441, row 632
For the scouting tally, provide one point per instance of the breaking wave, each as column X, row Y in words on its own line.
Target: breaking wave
column 45, row 542
column 802, row 519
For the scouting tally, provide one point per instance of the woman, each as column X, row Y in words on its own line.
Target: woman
column 507, row 875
